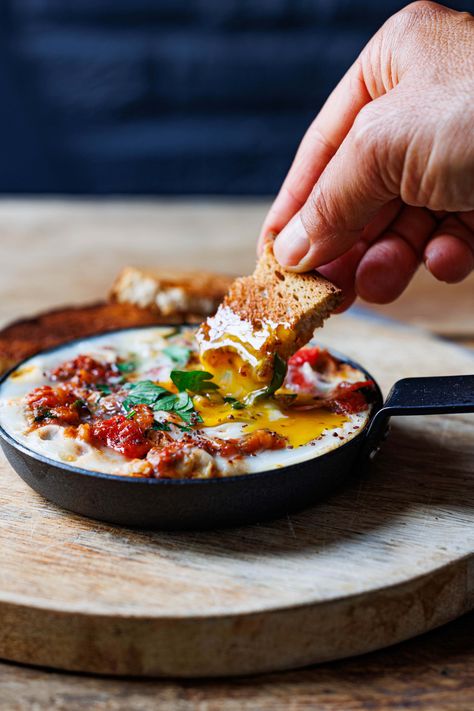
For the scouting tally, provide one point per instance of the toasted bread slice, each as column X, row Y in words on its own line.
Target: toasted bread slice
column 272, row 312
column 300, row 302
column 168, row 291
column 26, row 337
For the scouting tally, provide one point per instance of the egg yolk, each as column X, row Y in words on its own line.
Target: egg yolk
column 298, row 426
column 241, row 357
column 239, row 354
column 235, row 375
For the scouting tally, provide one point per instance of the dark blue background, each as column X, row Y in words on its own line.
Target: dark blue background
column 168, row 96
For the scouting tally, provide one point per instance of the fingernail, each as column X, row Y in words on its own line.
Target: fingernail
column 292, row 244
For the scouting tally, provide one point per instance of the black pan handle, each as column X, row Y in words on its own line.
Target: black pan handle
column 421, row 396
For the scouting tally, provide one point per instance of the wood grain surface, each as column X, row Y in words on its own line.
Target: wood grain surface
column 388, row 558
column 434, row 672
column 46, row 260
column 68, row 251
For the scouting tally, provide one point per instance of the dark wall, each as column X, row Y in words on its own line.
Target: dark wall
column 168, row 96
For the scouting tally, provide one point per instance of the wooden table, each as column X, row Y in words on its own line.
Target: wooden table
column 47, row 250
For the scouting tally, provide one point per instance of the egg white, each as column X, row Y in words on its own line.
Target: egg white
column 146, row 347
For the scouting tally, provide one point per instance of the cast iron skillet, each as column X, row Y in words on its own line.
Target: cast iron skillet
column 175, row 504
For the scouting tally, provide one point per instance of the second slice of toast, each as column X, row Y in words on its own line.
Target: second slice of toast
column 170, row 291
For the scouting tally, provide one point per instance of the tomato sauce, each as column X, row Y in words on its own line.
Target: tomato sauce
column 88, row 398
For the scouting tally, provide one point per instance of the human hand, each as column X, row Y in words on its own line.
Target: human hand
column 384, row 177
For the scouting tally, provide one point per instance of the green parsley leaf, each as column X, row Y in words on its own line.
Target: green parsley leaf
column 103, row 388
column 161, row 426
column 280, row 367
column 45, row 415
column 145, row 392
column 183, row 428
column 130, row 415
column 235, row 404
column 127, row 366
column 173, row 332
column 181, row 401
column 158, row 398
column 182, row 405
column 197, row 381
column 190, row 416
column 279, row 372
column 178, row 354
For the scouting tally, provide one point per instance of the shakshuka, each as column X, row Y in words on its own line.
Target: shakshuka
column 139, row 403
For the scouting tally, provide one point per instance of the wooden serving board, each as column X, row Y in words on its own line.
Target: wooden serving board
column 386, row 559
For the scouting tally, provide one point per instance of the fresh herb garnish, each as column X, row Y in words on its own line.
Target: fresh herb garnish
column 182, row 405
column 184, row 428
column 165, row 427
column 130, row 415
column 196, row 381
column 103, row 389
column 45, row 415
column 279, row 372
column 173, row 332
column 147, row 393
column 178, row 354
column 126, row 366
column 235, row 404
column 280, row 367
column 161, row 426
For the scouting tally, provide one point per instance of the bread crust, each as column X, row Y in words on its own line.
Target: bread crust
column 170, row 291
column 302, row 301
column 287, row 305
column 25, row 337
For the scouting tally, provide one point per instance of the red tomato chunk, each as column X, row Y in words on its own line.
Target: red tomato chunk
column 349, row 399
column 126, row 436
column 84, row 370
column 59, row 405
column 305, row 355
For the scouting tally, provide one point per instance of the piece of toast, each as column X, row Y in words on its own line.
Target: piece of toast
column 272, row 311
column 170, row 291
column 26, row 337
column 273, row 294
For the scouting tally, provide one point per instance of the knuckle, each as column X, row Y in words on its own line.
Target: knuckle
column 416, row 181
column 367, row 129
column 439, row 175
column 318, row 211
column 420, row 10
column 370, row 133
column 450, row 194
column 375, row 145
column 414, row 19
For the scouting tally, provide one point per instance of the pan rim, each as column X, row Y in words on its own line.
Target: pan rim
column 69, row 468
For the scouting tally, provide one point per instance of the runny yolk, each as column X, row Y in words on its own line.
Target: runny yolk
column 238, row 353
column 241, row 360
column 298, row 426
column 235, row 376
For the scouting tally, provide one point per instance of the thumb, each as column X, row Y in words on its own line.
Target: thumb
column 349, row 193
